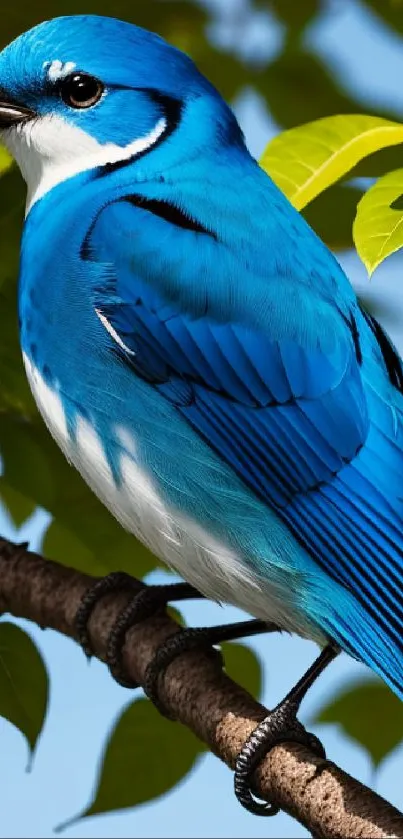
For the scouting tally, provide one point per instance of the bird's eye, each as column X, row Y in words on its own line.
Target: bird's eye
column 80, row 90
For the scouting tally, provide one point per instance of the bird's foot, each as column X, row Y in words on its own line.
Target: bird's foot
column 146, row 602
column 280, row 726
column 187, row 640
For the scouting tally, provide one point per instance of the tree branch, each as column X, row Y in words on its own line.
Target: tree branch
column 321, row 796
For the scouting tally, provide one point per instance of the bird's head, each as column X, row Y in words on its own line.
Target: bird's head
column 82, row 92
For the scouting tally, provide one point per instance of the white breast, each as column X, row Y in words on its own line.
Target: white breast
column 205, row 562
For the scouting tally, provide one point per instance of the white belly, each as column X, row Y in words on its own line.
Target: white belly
column 205, row 562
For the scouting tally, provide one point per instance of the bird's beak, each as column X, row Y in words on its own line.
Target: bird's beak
column 11, row 113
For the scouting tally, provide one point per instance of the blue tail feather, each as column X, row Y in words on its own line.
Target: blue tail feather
column 353, row 527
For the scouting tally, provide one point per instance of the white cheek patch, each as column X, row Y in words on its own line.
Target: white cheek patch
column 58, row 69
column 49, row 150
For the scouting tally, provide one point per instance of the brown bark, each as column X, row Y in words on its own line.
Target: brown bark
column 198, row 693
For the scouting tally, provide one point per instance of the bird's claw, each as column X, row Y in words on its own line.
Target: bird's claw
column 181, row 642
column 280, row 726
column 145, row 602
column 143, row 605
column 116, row 581
column 201, row 638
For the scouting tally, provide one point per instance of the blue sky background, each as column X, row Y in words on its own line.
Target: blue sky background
column 84, row 700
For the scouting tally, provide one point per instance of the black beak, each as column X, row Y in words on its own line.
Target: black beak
column 11, row 113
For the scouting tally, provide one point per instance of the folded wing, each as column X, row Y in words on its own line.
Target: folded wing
column 293, row 418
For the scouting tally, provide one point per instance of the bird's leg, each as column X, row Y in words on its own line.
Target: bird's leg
column 280, row 726
column 204, row 638
column 146, row 601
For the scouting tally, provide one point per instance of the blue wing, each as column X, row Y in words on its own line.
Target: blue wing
column 288, row 408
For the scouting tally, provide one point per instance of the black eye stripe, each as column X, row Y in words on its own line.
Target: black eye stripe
column 171, row 109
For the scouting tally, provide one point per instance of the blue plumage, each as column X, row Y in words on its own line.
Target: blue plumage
column 187, row 313
column 296, row 425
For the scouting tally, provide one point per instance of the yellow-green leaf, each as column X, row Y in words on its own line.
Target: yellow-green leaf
column 308, row 159
column 378, row 225
column 6, row 161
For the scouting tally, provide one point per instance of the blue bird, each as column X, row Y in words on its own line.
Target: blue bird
column 195, row 349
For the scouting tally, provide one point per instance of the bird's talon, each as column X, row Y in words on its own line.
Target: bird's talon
column 315, row 745
column 280, row 726
column 116, row 581
column 165, row 654
column 146, row 602
column 181, row 642
column 143, row 605
column 121, row 677
column 202, row 638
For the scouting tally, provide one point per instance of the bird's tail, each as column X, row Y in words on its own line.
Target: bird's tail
column 359, row 540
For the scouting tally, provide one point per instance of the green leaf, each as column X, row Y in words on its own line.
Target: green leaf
column 332, row 214
column 305, row 161
column 70, row 546
column 243, row 666
column 18, row 506
column 144, row 758
column 378, row 225
column 370, row 714
column 25, row 466
column 62, row 545
column 23, row 682
column 296, row 16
